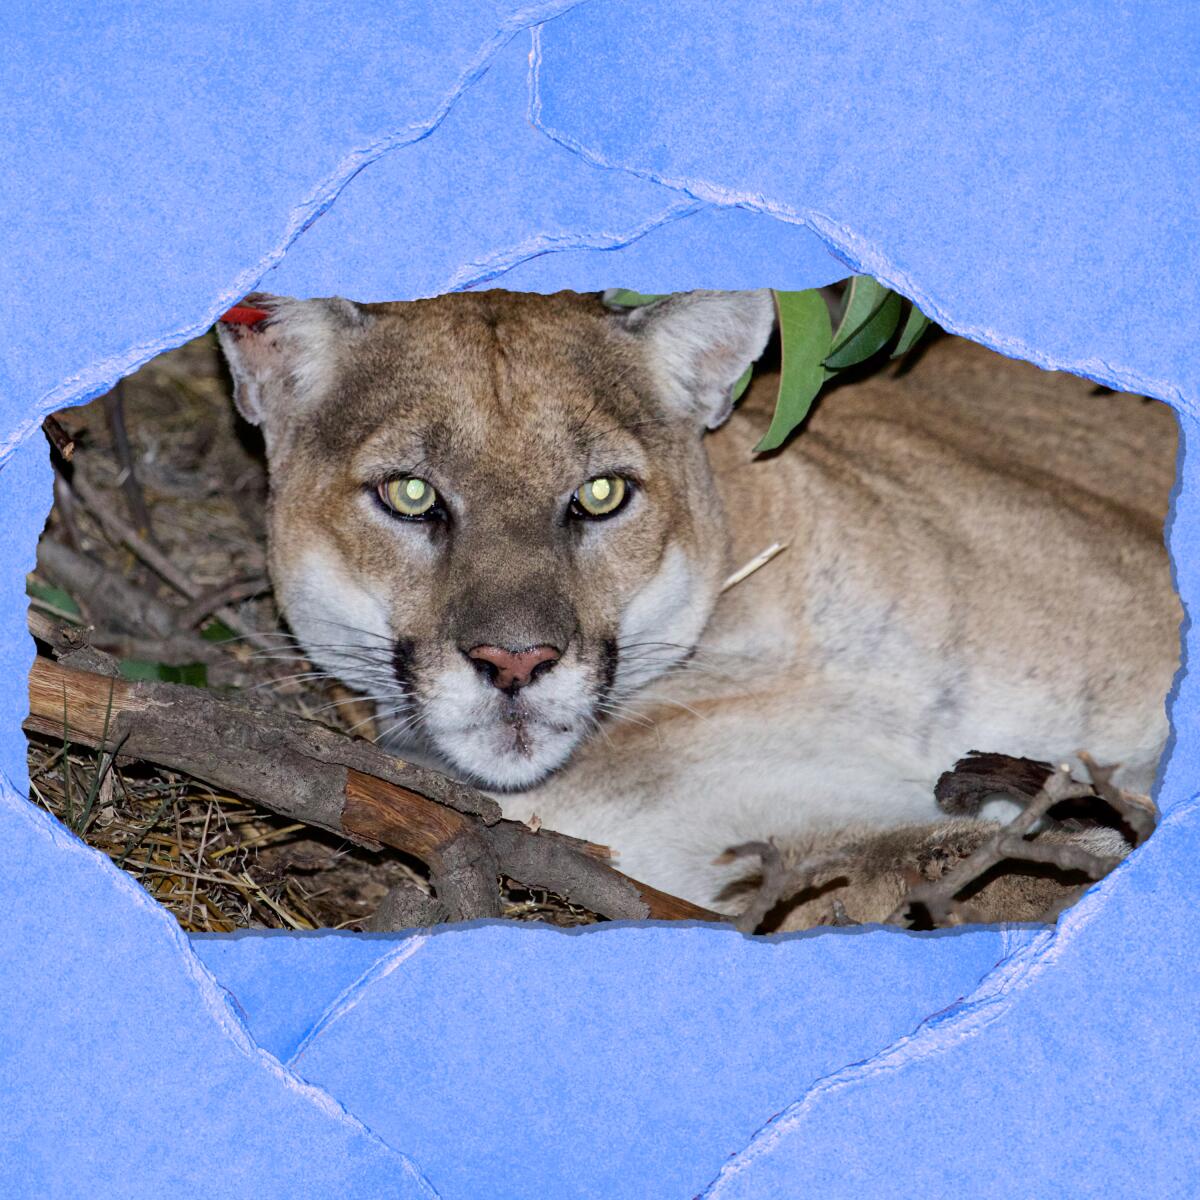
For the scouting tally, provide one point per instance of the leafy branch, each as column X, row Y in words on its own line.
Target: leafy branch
column 813, row 349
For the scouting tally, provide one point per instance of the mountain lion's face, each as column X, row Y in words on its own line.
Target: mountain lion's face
column 493, row 513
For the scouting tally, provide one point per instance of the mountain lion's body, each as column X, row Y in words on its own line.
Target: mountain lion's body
column 974, row 560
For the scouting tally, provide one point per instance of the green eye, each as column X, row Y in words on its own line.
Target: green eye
column 408, row 496
column 601, row 497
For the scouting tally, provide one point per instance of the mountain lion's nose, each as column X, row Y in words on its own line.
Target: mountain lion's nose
column 512, row 669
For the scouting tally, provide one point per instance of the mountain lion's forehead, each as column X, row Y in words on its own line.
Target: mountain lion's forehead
column 516, row 312
column 474, row 333
column 521, row 360
column 467, row 439
column 441, row 382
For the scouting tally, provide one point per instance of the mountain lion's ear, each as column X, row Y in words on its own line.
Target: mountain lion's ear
column 699, row 344
column 289, row 357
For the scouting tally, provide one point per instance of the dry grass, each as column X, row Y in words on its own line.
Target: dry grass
column 214, row 861
column 199, row 853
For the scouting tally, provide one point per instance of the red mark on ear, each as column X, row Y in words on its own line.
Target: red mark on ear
column 242, row 314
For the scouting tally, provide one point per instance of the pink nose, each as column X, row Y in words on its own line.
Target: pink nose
column 507, row 669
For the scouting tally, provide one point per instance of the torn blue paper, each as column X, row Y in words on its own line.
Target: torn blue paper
column 1027, row 173
column 539, row 219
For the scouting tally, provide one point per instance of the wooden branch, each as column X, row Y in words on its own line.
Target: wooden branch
column 1138, row 812
column 310, row 773
column 780, row 881
column 1066, row 856
column 228, row 593
column 110, row 599
column 450, row 843
column 937, row 897
column 1021, row 841
column 135, row 499
column 59, row 438
column 552, row 861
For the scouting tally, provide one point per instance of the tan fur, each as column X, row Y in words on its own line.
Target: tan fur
column 974, row 561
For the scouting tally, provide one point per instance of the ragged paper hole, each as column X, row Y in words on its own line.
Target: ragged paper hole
column 520, row 542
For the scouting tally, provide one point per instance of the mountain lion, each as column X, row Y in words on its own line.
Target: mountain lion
column 507, row 519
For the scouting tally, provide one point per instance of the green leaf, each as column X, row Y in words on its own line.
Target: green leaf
column 191, row 674
column 624, row 298
column 870, row 337
column 742, row 384
column 916, row 325
column 217, row 631
column 52, row 597
column 806, row 334
column 863, row 297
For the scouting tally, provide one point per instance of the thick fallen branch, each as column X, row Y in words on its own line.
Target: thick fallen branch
column 310, row 773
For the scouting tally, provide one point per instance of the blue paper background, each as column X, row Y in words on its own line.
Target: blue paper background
column 1026, row 172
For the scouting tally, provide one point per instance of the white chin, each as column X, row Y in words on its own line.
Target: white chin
column 498, row 758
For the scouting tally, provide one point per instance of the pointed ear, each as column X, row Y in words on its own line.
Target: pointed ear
column 289, row 358
column 699, row 344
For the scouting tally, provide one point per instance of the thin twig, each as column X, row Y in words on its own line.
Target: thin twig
column 135, row 499
column 1138, row 812
column 121, row 531
column 208, row 602
column 756, row 563
column 1017, row 841
column 199, row 861
column 779, row 881
column 1065, row 856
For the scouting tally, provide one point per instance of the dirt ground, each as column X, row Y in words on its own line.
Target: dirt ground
column 217, row 863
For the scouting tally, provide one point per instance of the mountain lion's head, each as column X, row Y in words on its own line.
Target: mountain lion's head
column 493, row 513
